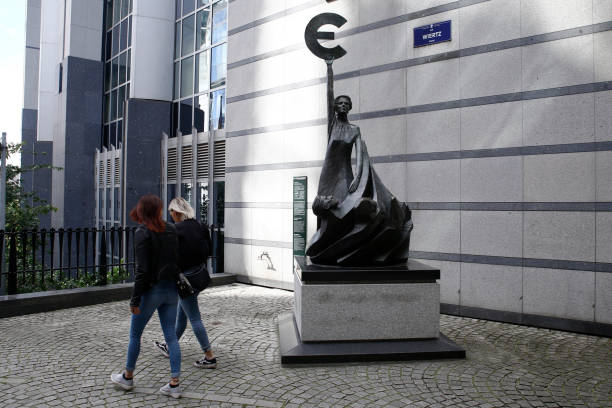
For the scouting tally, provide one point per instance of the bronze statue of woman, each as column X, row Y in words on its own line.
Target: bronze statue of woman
column 360, row 222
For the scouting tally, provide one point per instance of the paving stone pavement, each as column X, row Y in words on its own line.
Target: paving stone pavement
column 64, row 358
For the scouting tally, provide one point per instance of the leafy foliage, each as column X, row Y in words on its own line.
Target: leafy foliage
column 23, row 208
column 117, row 274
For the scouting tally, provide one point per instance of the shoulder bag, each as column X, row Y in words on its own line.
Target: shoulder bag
column 198, row 277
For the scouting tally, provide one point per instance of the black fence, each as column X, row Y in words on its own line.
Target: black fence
column 39, row 260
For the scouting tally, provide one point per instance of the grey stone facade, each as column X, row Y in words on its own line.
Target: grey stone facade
column 499, row 141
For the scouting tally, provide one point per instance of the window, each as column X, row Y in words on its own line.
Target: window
column 123, row 38
column 122, row 67
column 188, row 6
column 120, row 102
column 176, row 80
column 218, row 65
column 127, row 67
column 113, row 134
column 115, row 72
column 107, row 108
column 125, row 8
column 202, row 72
column 117, row 59
column 188, row 34
column 219, row 22
column 200, row 107
column 187, row 77
column 109, row 12
column 217, row 110
column 185, row 115
column 177, row 40
column 202, row 202
column 203, row 29
column 186, row 191
column 129, row 44
column 116, row 11
column 107, row 76
column 113, row 105
column 219, row 209
column 108, row 44
column 200, row 64
column 119, row 137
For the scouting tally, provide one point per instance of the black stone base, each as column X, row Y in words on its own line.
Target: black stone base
column 411, row 271
column 293, row 351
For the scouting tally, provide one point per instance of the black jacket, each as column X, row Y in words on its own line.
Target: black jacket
column 156, row 259
column 194, row 243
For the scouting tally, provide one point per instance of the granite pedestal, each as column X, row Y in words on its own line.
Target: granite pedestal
column 364, row 313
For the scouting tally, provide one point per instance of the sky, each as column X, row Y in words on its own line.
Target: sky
column 12, row 49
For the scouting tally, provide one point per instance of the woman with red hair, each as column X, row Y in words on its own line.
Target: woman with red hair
column 156, row 245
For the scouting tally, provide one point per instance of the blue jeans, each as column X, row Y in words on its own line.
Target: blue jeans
column 189, row 307
column 162, row 297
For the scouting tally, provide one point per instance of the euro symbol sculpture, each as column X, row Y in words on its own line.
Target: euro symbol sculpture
column 312, row 35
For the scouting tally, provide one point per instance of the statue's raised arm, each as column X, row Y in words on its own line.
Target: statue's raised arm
column 330, row 96
column 312, row 35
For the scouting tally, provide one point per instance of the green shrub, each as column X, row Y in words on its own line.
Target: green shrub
column 117, row 274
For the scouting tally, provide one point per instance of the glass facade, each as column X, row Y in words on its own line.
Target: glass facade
column 200, row 65
column 117, row 60
column 198, row 102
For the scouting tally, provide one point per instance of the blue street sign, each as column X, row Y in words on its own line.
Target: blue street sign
column 432, row 33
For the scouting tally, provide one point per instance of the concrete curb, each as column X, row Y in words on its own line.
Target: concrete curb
column 37, row 302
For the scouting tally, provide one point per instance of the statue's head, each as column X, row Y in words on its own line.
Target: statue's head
column 343, row 104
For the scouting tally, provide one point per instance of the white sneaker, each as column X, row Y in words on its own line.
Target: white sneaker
column 174, row 392
column 119, row 380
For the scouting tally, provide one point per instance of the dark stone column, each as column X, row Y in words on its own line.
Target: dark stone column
column 84, row 95
column 146, row 121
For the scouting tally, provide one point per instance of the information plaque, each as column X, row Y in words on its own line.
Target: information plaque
column 432, row 33
column 299, row 215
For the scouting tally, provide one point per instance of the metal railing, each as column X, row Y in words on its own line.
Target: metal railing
column 35, row 260
column 38, row 260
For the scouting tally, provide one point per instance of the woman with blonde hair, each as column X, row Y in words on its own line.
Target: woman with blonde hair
column 156, row 246
column 194, row 249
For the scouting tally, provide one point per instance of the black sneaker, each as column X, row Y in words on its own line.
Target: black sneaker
column 162, row 348
column 206, row 363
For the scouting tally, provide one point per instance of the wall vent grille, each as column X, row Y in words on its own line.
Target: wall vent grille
column 219, row 159
column 202, row 160
column 100, row 173
column 186, row 161
column 172, row 163
column 108, row 172
column 117, row 171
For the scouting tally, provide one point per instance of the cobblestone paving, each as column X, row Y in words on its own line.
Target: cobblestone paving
column 64, row 358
